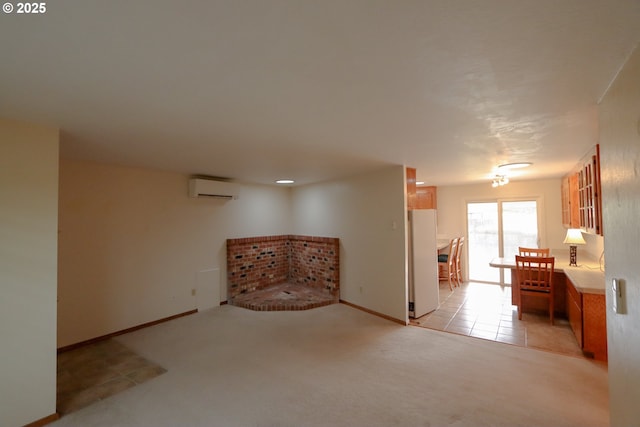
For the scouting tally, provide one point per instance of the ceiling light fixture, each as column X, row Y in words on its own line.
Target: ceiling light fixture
column 285, row 181
column 499, row 181
column 517, row 165
column 419, row 182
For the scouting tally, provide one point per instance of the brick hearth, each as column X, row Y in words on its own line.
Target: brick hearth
column 287, row 272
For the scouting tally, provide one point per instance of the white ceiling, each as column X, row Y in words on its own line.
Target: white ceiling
column 257, row 90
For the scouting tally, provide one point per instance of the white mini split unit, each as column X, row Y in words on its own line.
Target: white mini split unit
column 199, row 187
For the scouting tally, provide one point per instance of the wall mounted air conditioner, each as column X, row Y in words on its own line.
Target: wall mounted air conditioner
column 199, row 187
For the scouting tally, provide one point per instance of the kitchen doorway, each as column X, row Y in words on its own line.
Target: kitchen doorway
column 496, row 229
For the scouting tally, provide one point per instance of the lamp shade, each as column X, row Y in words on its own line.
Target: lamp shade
column 574, row 237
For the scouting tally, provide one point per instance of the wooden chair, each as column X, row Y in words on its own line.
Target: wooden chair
column 533, row 251
column 447, row 266
column 459, row 278
column 535, row 278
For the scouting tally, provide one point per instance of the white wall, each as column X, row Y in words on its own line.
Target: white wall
column 620, row 165
column 132, row 244
column 362, row 211
column 28, row 247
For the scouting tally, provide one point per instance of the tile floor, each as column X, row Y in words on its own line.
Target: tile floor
column 485, row 311
column 99, row 370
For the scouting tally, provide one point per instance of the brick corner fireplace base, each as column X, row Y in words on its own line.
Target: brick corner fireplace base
column 286, row 272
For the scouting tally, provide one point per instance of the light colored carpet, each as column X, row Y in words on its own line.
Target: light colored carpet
column 338, row 366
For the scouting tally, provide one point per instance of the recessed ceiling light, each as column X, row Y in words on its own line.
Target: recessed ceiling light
column 515, row 165
column 285, row 181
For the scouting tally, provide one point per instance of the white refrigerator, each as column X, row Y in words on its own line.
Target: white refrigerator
column 423, row 262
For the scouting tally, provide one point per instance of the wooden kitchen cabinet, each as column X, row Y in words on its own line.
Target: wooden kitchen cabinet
column 412, row 199
column 426, row 197
column 574, row 311
column 419, row 197
column 594, row 325
column 590, row 199
column 581, row 195
column 588, row 320
column 570, row 201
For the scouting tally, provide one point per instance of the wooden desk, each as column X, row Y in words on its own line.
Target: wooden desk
column 579, row 294
column 536, row 304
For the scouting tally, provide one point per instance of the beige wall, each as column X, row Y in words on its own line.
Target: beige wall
column 133, row 245
column 620, row 165
column 452, row 210
column 367, row 213
column 28, row 248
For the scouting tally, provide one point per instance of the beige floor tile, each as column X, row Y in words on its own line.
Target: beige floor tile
column 75, row 401
column 467, row 314
column 146, row 373
column 114, row 386
column 478, row 333
column 439, row 319
column 489, row 319
column 448, row 308
column 510, row 339
column 457, row 329
column 486, row 326
column 436, row 323
column 462, row 322
column 97, row 371
column 508, row 330
column 485, row 311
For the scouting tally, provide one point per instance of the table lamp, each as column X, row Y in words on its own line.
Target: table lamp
column 573, row 238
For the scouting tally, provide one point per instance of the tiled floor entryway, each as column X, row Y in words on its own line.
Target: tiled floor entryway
column 485, row 311
column 99, row 370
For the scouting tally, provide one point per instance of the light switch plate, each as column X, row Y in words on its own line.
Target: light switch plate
column 616, row 290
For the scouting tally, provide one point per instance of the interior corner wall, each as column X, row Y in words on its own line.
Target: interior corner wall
column 619, row 114
column 133, row 244
column 28, row 258
column 367, row 213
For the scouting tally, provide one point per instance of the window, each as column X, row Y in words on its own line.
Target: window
column 497, row 229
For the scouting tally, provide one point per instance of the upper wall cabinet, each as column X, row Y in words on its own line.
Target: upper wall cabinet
column 570, row 201
column 411, row 189
column 426, row 197
column 589, row 192
column 581, row 197
column 419, row 197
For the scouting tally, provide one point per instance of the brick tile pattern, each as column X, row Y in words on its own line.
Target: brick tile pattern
column 284, row 297
column 257, row 263
column 314, row 263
